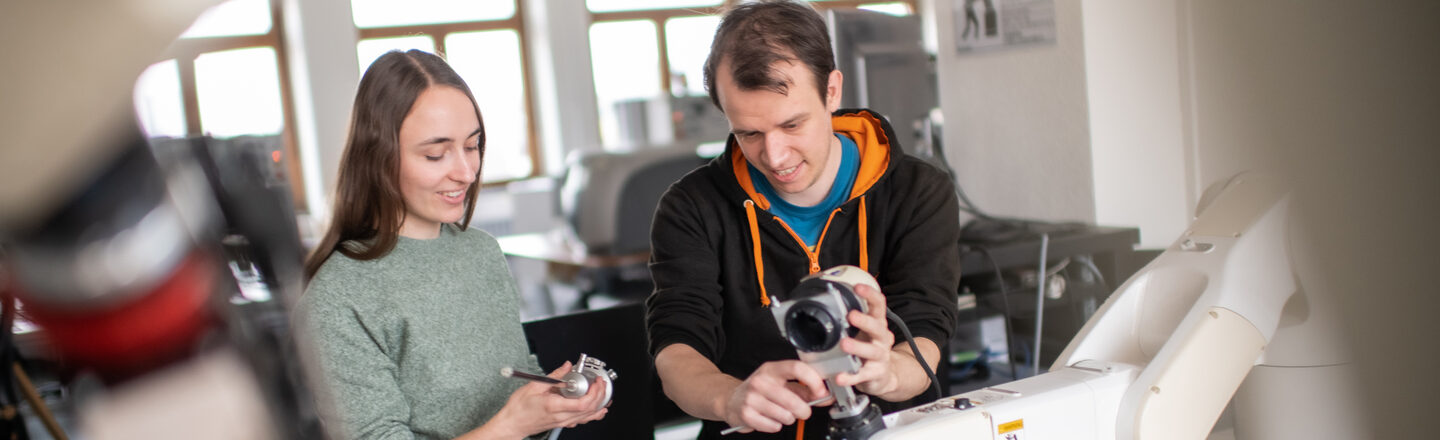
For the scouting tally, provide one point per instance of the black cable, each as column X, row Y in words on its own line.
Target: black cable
column 1088, row 263
column 1004, row 310
column 1030, row 226
column 937, row 151
column 904, row 329
column 966, row 205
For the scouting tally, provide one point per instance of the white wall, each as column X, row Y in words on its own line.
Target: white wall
column 1252, row 87
column 1091, row 128
column 1345, row 98
column 1016, row 123
column 1342, row 98
column 1143, row 175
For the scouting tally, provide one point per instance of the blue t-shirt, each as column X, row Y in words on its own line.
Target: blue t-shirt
column 809, row 222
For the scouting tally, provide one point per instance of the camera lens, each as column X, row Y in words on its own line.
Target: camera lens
column 811, row 328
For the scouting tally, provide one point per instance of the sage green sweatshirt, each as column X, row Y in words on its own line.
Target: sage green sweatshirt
column 411, row 344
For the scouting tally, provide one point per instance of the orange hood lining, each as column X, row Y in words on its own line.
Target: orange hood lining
column 863, row 128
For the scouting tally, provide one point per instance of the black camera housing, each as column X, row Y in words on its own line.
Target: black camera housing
column 815, row 322
column 813, row 317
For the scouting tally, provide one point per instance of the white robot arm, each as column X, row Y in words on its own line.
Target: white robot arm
column 1166, row 353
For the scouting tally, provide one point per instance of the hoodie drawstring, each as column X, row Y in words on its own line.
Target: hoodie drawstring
column 864, row 236
column 755, row 246
column 759, row 261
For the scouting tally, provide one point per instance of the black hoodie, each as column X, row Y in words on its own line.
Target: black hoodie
column 719, row 257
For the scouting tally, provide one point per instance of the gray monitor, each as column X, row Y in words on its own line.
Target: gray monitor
column 886, row 69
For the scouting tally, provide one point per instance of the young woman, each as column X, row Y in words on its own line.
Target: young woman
column 413, row 314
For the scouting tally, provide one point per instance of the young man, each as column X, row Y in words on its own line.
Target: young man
column 802, row 186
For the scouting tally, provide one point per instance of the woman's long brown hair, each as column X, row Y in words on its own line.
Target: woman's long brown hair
column 369, row 208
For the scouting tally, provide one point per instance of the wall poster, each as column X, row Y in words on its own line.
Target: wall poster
column 994, row 24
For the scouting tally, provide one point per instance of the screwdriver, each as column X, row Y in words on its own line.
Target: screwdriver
column 733, row 429
column 510, row 372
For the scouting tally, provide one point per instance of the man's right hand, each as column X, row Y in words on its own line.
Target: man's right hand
column 768, row 399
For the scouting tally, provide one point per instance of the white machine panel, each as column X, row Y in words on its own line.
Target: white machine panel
column 1073, row 403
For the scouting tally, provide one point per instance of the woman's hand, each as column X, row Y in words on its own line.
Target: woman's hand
column 537, row 407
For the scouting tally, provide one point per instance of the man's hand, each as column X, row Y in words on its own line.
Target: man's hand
column 873, row 346
column 887, row 371
column 768, row 400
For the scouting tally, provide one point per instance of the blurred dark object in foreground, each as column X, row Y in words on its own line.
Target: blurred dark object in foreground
column 166, row 279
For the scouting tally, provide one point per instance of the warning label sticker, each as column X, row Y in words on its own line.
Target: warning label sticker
column 1012, row 430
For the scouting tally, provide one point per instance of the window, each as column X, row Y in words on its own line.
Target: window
column 493, row 60
column 687, row 44
column 892, row 8
column 159, row 103
column 625, row 62
column 232, row 18
column 645, row 49
column 390, row 13
column 368, row 50
column 903, row 7
column 239, row 92
column 223, row 78
column 483, row 41
column 637, row 5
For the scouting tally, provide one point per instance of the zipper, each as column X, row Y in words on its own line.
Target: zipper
column 814, row 256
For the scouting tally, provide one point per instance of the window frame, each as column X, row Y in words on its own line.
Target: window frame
column 660, row 16
column 437, row 33
column 185, row 50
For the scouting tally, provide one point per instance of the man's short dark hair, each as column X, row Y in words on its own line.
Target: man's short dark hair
column 753, row 36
